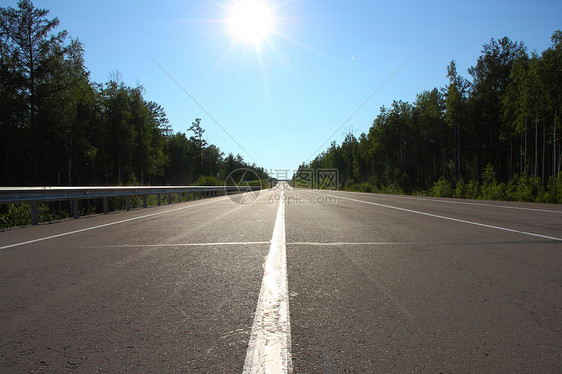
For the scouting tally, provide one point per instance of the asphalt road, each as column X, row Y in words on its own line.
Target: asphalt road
column 376, row 284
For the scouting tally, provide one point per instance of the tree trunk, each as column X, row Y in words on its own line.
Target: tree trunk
column 510, row 159
column 521, row 155
column 554, row 146
column 525, row 153
column 445, row 173
column 69, row 161
column 434, row 168
column 535, row 173
column 477, row 174
column 455, row 173
column 70, row 170
column 543, row 154
column 105, row 170
column 119, row 171
column 400, row 151
column 458, row 152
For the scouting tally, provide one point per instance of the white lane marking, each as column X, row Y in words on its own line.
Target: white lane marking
column 337, row 244
column 104, row 225
column 176, row 245
column 453, row 202
column 269, row 350
column 454, row 219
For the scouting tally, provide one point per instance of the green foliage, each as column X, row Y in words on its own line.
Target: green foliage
column 491, row 190
column 553, row 193
column 460, row 189
column 442, row 188
column 12, row 215
column 472, row 190
column 208, row 181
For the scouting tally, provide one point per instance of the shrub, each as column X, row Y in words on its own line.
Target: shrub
column 441, row 188
column 12, row 215
column 460, row 189
column 472, row 190
column 209, row 180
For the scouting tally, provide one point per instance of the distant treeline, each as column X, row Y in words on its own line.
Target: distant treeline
column 57, row 127
column 496, row 136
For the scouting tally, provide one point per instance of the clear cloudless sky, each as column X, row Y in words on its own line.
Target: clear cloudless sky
column 280, row 105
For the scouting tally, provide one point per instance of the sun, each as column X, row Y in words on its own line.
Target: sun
column 251, row 21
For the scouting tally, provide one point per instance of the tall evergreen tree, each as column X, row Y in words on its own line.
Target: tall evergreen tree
column 32, row 43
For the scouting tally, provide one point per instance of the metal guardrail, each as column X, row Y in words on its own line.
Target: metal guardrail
column 33, row 195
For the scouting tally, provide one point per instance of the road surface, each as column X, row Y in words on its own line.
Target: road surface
column 298, row 280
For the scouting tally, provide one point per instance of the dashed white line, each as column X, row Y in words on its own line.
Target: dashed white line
column 269, row 350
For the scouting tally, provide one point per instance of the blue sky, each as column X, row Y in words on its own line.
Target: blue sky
column 278, row 107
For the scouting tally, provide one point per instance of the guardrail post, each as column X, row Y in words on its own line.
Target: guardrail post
column 158, row 201
column 34, row 213
column 169, row 198
column 105, row 206
column 127, row 203
column 76, row 208
column 144, row 201
column 179, row 197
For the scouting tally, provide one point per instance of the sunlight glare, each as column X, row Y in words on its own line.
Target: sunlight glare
column 251, row 21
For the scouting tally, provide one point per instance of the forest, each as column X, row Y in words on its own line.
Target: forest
column 60, row 128
column 494, row 135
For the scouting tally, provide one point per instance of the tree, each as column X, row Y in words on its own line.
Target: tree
column 32, row 44
column 199, row 142
column 491, row 77
column 429, row 121
column 119, row 140
column 63, row 129
column 13, row 119
column 552, row 80
column 456, row 111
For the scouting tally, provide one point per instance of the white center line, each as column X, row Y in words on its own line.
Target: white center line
column 269, row 350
